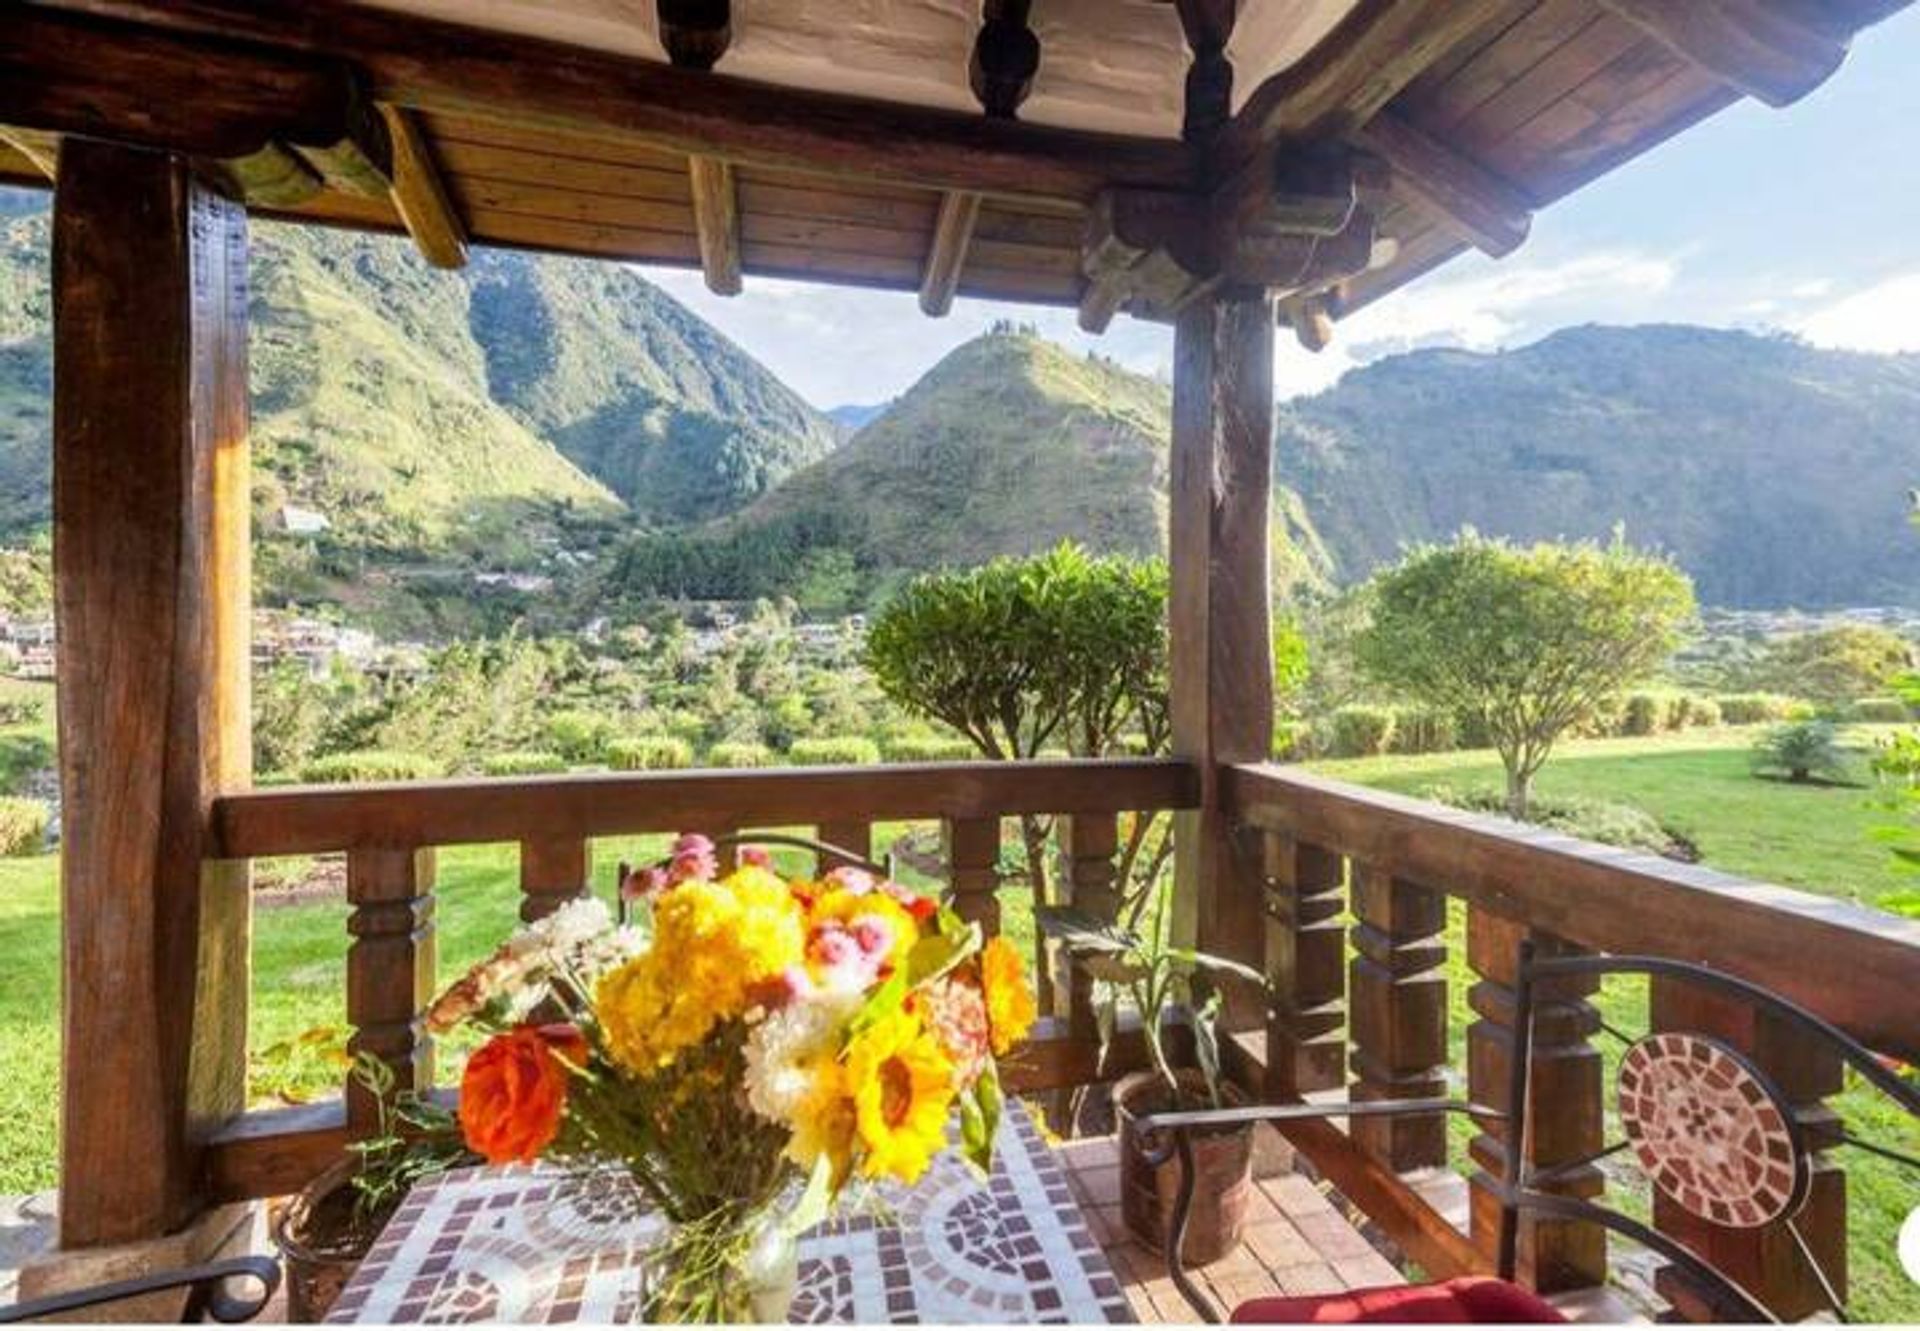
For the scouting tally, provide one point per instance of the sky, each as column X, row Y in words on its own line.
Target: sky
column 1805, row 219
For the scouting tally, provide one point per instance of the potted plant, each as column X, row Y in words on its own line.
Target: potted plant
column 327, row 1228
column 1138, row 964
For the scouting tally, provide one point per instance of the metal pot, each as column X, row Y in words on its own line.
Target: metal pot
column 1223, row 1165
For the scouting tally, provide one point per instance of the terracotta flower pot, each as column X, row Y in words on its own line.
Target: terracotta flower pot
column 1223, row 1166
column 322, row 1236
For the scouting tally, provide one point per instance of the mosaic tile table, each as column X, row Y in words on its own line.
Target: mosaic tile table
column 533, row 1245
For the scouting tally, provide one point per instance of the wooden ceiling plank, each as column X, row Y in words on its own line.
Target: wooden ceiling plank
column 947, row 253
column 435, row 66
column 1545, row 28
column 636, row 244
column 1757, row 46
column 1618, row 90
column 1482, row 133
column 622, row 151
column 716, row 220
column 914, row 213
column 1472, row 200
column 1496, row 31
column 470, row 162
column 506, row 196
column 420, row 195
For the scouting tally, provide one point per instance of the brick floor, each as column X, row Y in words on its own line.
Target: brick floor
column 1296, row 1242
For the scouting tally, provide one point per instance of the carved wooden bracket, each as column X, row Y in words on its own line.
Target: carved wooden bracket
column 696, row 33
column 1006, row 56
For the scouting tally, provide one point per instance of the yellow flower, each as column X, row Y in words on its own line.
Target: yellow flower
column 902, row 1091
column 1010, row 1005
column 712, row 944
column 825, row 1120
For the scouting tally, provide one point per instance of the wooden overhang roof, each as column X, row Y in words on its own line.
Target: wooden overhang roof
column 1378, row 139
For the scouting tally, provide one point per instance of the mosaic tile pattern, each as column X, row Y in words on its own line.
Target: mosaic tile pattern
column 1708, row 1131
column 535, row 1245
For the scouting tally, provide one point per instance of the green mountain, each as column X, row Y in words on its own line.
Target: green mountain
column 1777, row 474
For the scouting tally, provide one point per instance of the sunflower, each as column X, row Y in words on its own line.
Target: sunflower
column 824, row 1119
column 902, row 1089
column 1010, row 1005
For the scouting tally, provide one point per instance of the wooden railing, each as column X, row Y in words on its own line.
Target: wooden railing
column 389, row 834
column 1357, row 885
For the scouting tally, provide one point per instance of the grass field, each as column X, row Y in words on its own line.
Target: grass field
column 1819, row 838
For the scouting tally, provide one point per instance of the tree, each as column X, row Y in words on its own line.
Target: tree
column 1834, row 665
column 1526, row 641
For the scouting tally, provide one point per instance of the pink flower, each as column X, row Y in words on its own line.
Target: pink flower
column 874, row 935
column 957, row 1015
column 643, row 884
column 849, row 879
column 693, row 858
column 790, row 986
column 840, row 961
column 921, row 908
column 757, row 856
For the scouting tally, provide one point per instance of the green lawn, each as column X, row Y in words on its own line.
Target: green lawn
column 1819, row 838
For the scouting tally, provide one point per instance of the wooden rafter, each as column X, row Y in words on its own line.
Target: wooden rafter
column 716, row 219
column 1465, row 196
column 947, row 255
column 1763, row 48
column 420, row 196
column 439, row 67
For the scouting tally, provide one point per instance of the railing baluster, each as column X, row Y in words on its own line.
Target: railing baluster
column 1766, row 1260
column 855, row 838
column 553, row 871
column 1397, row 1014
column 1306, row 946
column 973, row 868
column 1089, row 843
column 390, row 971
column 1565, row 1118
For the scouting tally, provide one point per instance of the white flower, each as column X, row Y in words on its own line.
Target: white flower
column 578, row 939
column 781, row 1047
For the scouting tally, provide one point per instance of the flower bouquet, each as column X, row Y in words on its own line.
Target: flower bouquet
column 748, row 1047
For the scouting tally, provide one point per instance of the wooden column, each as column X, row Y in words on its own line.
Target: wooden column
column 1089, row 843
column 1220, row 615
column 552, row 873
column 150, row 505
column 1306, row 945
column 854, row 838
column 1565, row 1118
column 390, row 971
column 1398, row 1014
column 973, row 869
column 1766, row 1261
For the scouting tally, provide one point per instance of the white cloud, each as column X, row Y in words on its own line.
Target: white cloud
column 1883, row 317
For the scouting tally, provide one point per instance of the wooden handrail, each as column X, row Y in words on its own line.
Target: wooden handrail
column 1856, row 967
column 298, row 820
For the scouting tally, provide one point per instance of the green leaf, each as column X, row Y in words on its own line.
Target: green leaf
column 980, row 1110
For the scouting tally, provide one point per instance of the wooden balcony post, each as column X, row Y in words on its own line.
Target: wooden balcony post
column 1766, row 1261
column 1089, row 843
column 152, row 602
column 552, row 873
column 852, row 837
column 1220, row 618
column 1565, row 1115
column 1398, row 1014
column 390, row 971
column 1306, row 944
column 973, row 869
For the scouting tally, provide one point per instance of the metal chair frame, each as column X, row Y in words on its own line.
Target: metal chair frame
column 206, row 1286
column 1168, row 1135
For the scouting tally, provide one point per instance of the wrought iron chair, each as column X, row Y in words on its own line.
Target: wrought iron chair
column 1677, row 1093
column 209, row 1291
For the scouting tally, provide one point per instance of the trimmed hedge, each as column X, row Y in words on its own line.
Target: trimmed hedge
column 580, row 737
column 1880, row 710
column 649, row 753
column 1752, row 709
column 23, row 826
column 523, row 762
column 834, row 751
column 1359, row 731
column 928, row 749
column 1423, row 730
column 372, row 765
column 1603, row 821
column 739, row 753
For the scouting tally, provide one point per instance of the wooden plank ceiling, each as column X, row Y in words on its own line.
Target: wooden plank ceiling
column 1475, row 113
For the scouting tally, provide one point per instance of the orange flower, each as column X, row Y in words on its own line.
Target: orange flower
column 1003, row 983
column 514, row 1090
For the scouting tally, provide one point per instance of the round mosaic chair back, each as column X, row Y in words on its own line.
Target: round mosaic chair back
column 1712, row 1131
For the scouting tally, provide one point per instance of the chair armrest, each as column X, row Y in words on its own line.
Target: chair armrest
column 207, row 1296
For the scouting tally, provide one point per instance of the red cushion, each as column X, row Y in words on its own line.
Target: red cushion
column 1479, row 1299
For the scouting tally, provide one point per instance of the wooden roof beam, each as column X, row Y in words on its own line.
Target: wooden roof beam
column 716, row 223
column 439, row 67
column 1760, row 47
column 947, row 255
column 1465, row 196
column 420, row 195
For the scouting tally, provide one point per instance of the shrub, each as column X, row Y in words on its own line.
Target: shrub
column 1801, row 751
column 1698, row 711
column 523, row 762
column 1603, row 821
column 649, row 753
column 371, row 765
column 834, row 751
column 928, row 749
column 579, row 737
column 1423, row 730
column 1880, row 710
column 23, row 826
column 22, row 711
column 1645, row 714
column 1751, row 709
column 739, row 753
column 1359, row 731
